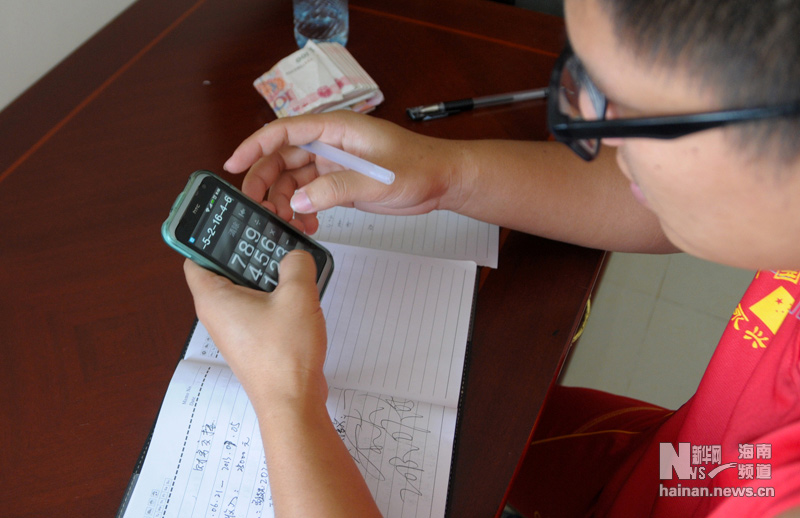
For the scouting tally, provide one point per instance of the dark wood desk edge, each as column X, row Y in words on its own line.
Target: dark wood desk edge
column 492, row 438
column 438, row 21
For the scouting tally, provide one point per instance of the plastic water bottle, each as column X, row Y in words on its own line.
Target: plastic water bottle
column 321, row 20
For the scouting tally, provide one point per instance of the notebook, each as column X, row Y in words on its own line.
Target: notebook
column 398, row 326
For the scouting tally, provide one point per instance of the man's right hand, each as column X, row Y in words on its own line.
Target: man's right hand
column 297, row 184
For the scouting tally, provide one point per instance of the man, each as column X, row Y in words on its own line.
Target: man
column 721, row 186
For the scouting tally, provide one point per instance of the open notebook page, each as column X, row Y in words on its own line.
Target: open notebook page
column 206, row 458
column 402, row 447
column 396, row 324
column 437, row 234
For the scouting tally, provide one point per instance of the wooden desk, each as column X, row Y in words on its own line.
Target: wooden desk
column 95, row 310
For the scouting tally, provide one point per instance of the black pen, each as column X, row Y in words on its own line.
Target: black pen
column 436, row 111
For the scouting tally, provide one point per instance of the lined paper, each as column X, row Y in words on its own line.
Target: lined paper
column 206, row 457
column 398, row 323
column 439, row 233
column 403, row 449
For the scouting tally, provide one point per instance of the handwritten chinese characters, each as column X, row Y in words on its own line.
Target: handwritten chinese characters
column 401, row 447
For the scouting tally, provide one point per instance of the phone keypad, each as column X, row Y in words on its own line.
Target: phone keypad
column 252, row 246
column 259, row 247
column 250, row 243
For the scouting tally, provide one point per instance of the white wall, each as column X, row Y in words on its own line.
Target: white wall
column 35, row 35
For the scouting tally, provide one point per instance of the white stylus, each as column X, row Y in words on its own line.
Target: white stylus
column 349, row 161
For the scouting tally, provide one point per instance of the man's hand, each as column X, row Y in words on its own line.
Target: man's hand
column 298, row 184
column 274, row 342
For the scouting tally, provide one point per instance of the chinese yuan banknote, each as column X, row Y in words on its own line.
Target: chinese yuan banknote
column 318, row 78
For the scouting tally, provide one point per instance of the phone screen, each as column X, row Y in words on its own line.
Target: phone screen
column 218, row 222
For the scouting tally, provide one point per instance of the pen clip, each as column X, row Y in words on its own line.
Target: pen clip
column 434, row 116
column 428, row 112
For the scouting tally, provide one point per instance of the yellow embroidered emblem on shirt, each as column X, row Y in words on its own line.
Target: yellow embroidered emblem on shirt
column 758, row 338
column 787, row 275
column 773, row 308
column 738, row 316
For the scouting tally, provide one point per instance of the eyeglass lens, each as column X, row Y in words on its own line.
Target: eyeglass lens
column 580, row 99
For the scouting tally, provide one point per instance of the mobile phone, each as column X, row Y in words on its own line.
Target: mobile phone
column 214, row 224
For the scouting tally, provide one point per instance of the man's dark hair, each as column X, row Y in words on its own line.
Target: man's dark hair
column 748, row 51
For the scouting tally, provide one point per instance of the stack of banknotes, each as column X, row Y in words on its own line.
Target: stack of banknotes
column 319, row 77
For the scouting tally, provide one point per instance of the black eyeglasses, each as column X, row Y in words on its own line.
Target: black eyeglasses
column 576, row 111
